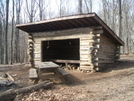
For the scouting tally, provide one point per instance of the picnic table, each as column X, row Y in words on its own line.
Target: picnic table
column 53, row 69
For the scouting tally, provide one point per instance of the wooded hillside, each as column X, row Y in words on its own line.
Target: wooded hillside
column 118, row 14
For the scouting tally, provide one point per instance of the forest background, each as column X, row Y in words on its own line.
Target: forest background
column 117, row 14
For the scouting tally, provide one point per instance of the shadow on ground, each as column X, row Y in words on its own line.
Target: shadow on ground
column 121, row 64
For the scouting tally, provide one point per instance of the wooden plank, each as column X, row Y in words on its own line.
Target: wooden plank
column 104, row 58
column 85, row 39
column 66, row 61
column 49, row 64
column 96, row 27
column 70, row 32
column 33, row 74
column 86, row 67
column 96, row 32
column 63, row 72
column 103, row 62
column 84, row 59
column 86, row 64
column 87, row 43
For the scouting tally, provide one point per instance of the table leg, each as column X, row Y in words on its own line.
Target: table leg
column 61, row 78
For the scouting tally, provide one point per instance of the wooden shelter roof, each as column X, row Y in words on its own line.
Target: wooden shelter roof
column 69, row 22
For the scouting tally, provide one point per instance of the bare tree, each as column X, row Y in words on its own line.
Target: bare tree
column 0, row 38
column 42, row 5
column 17, row 39
column 6, row 32
column 41, row 8
column 80, row 6
column 2, row 16
column 12, row 34
column 31, row 10
column 120, row 18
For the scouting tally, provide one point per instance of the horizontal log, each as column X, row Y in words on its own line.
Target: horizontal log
column 31, row 49
column 95, row 63
column 30, row 53
column 84, row 46
column 117, row 57
column 85, row 58
column 30, row 60
column 96, row 68
column 103, row 62
column 84, row 53
column 97, row 46
column 85, row 39
column 94, row 54
column 95, row 59
column 96, row 27
column 83, row 61
column 86, row 64
column 37, row 60
column 86, row 67
column 10, row 95
column 97, row 40
column 85, row 43
column 96, row 32
column 31, row 45
column 95, row 50
column 117, row 52
column 30, row 40
column 97, row 35
column 30, row 37
column 66, row 61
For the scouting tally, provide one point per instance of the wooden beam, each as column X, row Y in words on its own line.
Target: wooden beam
column 66, row 61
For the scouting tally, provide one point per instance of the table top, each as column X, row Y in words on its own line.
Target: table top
column 48, row 64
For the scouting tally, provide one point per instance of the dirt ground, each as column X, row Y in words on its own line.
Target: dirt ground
column 115, row 83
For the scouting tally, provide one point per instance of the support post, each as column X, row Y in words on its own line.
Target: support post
column 31, row 51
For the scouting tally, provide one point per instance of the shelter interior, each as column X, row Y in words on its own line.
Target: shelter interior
column 67, row 49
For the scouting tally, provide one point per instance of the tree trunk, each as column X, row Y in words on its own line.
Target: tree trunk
column 17, row 39
column 6, row 32
column 120, row 19
column 113, row 12
column 1, row 42
column 90, row 5
column 12, row 56
column 11, row 94
column 120, row 23
column 80, row 6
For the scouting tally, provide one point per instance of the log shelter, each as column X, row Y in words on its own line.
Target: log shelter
column 82, row 39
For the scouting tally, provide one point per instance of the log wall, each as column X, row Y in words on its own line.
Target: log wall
column 106, row 52
column 83, row 34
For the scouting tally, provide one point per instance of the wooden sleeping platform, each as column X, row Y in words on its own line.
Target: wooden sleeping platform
column 65, row 61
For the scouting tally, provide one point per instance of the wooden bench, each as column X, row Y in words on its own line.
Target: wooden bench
column 33, row 74
column 62, row 71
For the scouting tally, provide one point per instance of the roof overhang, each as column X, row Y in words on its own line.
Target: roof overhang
column 69, row 22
